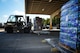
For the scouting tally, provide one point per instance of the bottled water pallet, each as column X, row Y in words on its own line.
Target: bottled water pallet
column 69, row 48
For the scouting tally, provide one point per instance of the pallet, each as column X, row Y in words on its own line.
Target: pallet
column 69, row 48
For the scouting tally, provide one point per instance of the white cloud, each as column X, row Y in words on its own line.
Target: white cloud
column 16, row 12
column 5, row 16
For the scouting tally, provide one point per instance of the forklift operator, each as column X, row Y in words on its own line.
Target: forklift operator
column 19, row 23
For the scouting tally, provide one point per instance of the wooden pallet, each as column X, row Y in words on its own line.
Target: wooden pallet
column 69, row 48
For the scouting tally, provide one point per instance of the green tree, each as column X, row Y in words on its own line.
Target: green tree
column 47, row 21
column 43, row 21
column 55, row 21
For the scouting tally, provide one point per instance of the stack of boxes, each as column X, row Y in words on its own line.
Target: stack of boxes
column 37, row 23
column 70, row 24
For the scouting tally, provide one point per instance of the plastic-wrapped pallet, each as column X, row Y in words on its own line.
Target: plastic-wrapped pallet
column 70, row 24
column 69, row 4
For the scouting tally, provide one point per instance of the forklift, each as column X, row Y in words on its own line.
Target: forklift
column 17, row 23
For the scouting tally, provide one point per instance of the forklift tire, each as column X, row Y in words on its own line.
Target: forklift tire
column 26, row 30
column 21, row 31
column 9, row 30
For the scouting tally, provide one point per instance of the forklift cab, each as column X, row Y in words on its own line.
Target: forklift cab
column 17, row 20
column 16, row 23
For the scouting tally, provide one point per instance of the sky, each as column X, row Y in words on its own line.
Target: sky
column 13, row 7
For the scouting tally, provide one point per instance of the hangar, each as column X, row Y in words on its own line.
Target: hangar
column 65, row 9
column 47, row 7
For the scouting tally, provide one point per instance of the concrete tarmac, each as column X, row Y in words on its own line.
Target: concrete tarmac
column 24, row 43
